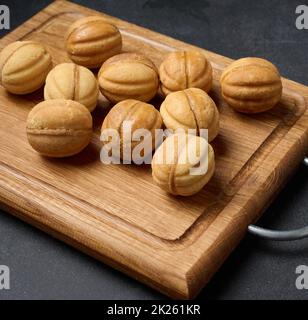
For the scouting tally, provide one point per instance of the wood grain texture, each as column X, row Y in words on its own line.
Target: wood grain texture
column 116, row 213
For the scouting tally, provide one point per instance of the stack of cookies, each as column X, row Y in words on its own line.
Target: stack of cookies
column 61, row 126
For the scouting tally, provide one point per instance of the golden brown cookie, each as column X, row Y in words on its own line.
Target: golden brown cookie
column 128, row 76
column 191, row 108
column 251, row 85
column 91, row 40
column 72, row 82
column 24, row 66
column 59, row 128
column 141, row 115
column 176, row 164
column 185, row 69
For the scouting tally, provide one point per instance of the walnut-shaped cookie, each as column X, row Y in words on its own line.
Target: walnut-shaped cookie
column 185, row 69
column 251, row 85
column 59, row 128
column 191, row 108
column 126, row 117
column 183, row 164
column 24, row 66
column 91, row 40
column 73, row 82
column 128, row 76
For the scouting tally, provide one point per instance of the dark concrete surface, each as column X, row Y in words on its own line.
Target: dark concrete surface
column 44, row 268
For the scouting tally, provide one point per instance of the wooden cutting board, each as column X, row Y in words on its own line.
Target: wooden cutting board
column 115, row 212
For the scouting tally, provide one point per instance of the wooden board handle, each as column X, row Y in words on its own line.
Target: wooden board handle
column 289, row 235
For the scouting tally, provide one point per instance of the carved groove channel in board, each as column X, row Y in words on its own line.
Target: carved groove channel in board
column 103, row 191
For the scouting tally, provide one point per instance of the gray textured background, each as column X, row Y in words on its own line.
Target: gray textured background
column 44, row 268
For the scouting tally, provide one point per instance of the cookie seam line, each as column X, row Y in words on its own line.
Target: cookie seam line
column 89, row 22
column 185, row 69
column 57, row 130
column 153, row 68
column 76, row 82
column 236, row 68
column 192, row 110
column 171, row 181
